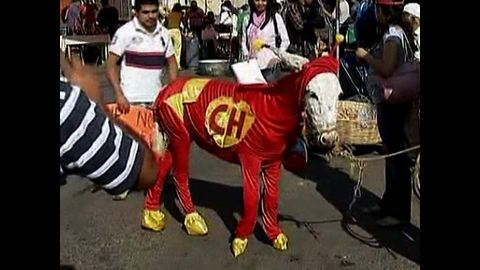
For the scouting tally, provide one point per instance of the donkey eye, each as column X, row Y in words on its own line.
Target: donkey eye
column 313, row 95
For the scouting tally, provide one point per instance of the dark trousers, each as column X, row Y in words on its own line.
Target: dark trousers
column 208, row 49
column 392, row 122
column 198, row 33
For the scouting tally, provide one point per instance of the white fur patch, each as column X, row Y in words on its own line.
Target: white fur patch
column 323, row 110
column 293, row 60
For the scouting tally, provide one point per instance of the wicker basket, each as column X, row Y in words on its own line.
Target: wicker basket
column 357, row 123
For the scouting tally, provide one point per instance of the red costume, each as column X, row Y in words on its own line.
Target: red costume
column 247, row 124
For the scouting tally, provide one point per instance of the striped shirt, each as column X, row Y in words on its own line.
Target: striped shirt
column 92, row 146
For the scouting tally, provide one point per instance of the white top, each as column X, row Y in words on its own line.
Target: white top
column 344, row 11
column 265, row 57
column 226, row 17
column 417, row 42
column 144, row 58
column 398, row 32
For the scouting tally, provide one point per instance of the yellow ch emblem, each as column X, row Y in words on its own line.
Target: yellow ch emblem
column 228, row 122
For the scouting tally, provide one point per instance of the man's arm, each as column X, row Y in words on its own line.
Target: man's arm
column 113, row 75
column 172, row 68
column 171, row 60
column 117, row 49
column 384, row 67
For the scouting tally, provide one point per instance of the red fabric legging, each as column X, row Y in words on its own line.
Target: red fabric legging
column 179, row 146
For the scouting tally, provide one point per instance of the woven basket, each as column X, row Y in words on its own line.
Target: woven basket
column 357, row 123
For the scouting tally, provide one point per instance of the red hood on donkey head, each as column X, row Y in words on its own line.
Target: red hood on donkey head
column 296, row 158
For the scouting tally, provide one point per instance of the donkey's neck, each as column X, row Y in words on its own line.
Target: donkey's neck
column 291, row 89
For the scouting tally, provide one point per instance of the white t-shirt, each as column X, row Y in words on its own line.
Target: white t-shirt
column 144, row 58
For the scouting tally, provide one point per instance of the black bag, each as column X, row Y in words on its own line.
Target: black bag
column 225, row 28
column 278, row 38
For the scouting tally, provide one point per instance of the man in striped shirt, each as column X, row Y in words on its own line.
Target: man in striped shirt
column 92, row 146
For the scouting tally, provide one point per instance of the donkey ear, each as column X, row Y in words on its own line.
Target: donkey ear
column 295, row 61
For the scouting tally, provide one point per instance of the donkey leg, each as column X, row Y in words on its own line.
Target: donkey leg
column 180, row 143
column 251, row 196
column 194, row 223
column 269, row 205
column 153, row 217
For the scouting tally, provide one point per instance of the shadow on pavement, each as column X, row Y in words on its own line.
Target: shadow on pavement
column 334, row 185
column 225, row 200
column 337, row 188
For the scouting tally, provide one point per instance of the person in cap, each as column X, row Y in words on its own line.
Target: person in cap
column 411, row 17
column 383, row 59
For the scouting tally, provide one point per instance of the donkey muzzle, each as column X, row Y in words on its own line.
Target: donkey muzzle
column 329, row 139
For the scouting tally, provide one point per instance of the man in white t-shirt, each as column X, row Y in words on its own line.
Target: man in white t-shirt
column 144, row 48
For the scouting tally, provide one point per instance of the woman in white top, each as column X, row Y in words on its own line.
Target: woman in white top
column 392, row 119
column 265, row 26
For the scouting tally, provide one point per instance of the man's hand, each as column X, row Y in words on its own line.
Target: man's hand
column 361, row 53
column 123, row 104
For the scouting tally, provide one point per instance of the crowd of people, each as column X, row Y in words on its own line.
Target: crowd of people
column 85, row 17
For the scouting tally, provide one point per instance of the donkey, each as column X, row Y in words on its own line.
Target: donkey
column 251, row 125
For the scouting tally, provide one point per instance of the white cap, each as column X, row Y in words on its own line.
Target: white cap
column 413, row 9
